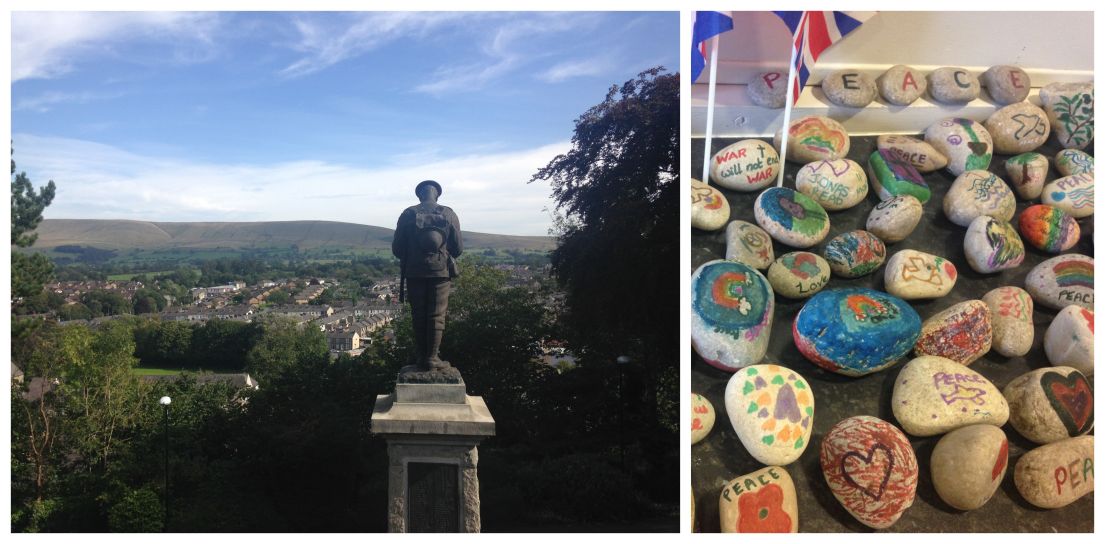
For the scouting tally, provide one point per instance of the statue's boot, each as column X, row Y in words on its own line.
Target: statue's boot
column 434, row 344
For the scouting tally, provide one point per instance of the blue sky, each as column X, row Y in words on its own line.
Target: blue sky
column 179, row 116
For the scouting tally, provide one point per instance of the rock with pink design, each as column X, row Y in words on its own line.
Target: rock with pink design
column 871, row 469
column 934, row 395
column 771, row 410
column 702, row 417
column 1011, row 319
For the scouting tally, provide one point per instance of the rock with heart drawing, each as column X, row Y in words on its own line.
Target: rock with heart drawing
column 761, row 502
column 951, row 85
column 1068, row 340
column 815, row 138
column 835, row 185
column 771, row 409
column 894, row 219
column 709, row 208
column 798, row 274
column 901, row 85
column 748, row 244
column 934, row 395
column 911, row 275
column 849, row 88
column 1061, row 281
column 768, row 90
column 1073, row 161
column 1018, row 128
column 891, row 176
column 732, row 306
column 702, row 417
column 871, row 469
column 978, row 192
column 1011, row 319
column 1072, row 194
column 992, row 245
column 748, row 165
column 964, row 142
column 915, row 151
column 1050, row 404
column 1027, row 173
column 1006, row 84
column 791, row 217
column 1069, row 107
column 962, row 333
column 854, row 253
column 968, row 465
column 1057, row 474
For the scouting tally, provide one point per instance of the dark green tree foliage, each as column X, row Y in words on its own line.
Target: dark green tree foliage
column 148, row 301
column 101, row 303
column 281, row 344
column 29, row 272
column 221, row 345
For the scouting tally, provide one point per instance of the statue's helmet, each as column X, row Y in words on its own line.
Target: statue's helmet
column 430, row 182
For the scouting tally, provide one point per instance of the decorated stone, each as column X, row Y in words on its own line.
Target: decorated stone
column 978, row 192
column 901, row 85
column 1027, row 173
column 815, row 138
column 748, row 244
column 1011, row 320
column 962, row 333
column 968, row 465
column 1061, row 281
column 768, row 90
column 1069, row 107
column 992, row 245
column 709, row 208
column 1057, row 474
column 1048, row 228
column 891, row 176
column 771, row 409
column 953, row 85
column 1006, row 84
column 855, row 331
column 964, row 142
column 1069, row 339
column 732, row 306
column 1050, row 404
column 871, row 469
column 1018, row 128
column 702, row 417
column 849, row 88
column 894, row 219
column 912, row 275
column 791, row 217
column 798, row 274
column 835, row 185
column 855, row 253
column 1070, row 162
column 934, row 395
column 1072, row 194
column 747, row 165
column 915, row 151
column 761, row 502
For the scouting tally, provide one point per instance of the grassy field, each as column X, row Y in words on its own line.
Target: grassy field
column 125, row 277
column 155, row 372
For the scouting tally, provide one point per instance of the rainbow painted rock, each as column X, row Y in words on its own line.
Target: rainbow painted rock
column 1048, row 228
column 976, row 193
column 771, row 409
column 964, row 142
column 871, row 469
column 911, row 275
column 815, row 138
column 1018, row 128
column 855, row 253
column 1072, row 194
column 933, row 395
column 798, row 274
column 894, row 219
column 1068, row 340
column 1069, row 107
column 992, row 245
column 855, row 331
column 709, row 208
column 968, row 465
column 747, row 165
column 915, row 151
column 1061, row 281
column 748, row 244
column 1011, row 320
column 702, row 417
column 1057, row 474
column 732, row 306
column 892, row 176
column 962, row 333
column 1073, row 161
column 791, row 217
column 835, row 185
column 760, row 502
column 1026, row 174
column 1050, row 404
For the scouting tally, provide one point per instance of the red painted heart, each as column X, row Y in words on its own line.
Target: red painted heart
column 1072, row 399
column 868, row 473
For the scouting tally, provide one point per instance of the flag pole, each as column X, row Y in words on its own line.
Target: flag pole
column 787, row 109
column 710, row 110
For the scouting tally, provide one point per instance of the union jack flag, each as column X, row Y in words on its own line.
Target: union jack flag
column 814, row 32
column 707, row 24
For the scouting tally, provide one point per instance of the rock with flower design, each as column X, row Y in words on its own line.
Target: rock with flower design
column 1072, row 194
column 964, row 142
column 747, row 165
column 894, row 219
column 709, row 208
column 1018, row 128
column 962, row 333
column 992, row 245
column 893, row 176
column 748, row 244
column 1048, row 228
column 933, row 395
column 1073, row 161
column 855, row 253
column 968, row 465
column 1057, row 474
column 1069, row 107
column 791, row 217
column 798, row 274
column 760, row 502
column 1027, row 173
column 1011, row 320
column 771, row 409
column 1050, row 404
column 702, row 417
column 978, row 192
column 871, row 469
column 1061, row 281
column 911, row 275
column 815, row 138
column 732, row 306
column 1068, row 340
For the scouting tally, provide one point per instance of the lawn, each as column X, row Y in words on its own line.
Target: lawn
column 155, row 372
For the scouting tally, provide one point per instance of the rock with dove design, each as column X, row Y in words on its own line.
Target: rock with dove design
column 933, row 395
column 1018, row 128
column 771, row 409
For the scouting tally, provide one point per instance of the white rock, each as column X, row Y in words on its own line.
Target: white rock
column 747, row 165
column 709, row 208
column 1027, row 173
column 748, row 244
column 1061, row 281
column 798, row 274
column 835, row 185
column 702, row 417
column 934, row 395
column 815, row 138
column 1069, row 339
column 1057, row 474
column 894, row 219
column 964, row 142
column 1072, row 194
column 992, row 245
column 912, row 275
column 1011, row 318
column 771, row 408
column 1050, row 404
column 978, row 192
column 968, row 465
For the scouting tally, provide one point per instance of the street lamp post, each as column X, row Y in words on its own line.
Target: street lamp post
column 165, row 402
column 622, row 361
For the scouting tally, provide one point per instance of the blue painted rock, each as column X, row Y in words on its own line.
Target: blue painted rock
column 978, row 192
column 1061, row 281
column 1048, row 228
column 732, row 306
column 702, row 417
column 1011, row 318
column 1072, row 194
column 1050, row 404
column 815, row 138
column 791, row 217
column 747, row 165
column 1027, row 173
column 798, row 274
column 962, row 333
column 964, row 142
column 1072, row 161
column 835, row 185
column 855, row 331
column 1018, row 128
column 968, row 465
column 709, row 208
column 748, row 244
column 992, row 245
column 933, row 395
column 1057, row 474
column 855, row 253
column 1069, row 107
column 771, row 409
column 871, row 469
column 915, row 151
column 911, row 275
column 894, row 219
column 892, row 176
column 1068, row 340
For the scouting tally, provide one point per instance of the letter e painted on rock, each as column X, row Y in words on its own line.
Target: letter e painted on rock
column 1015, row 78
column 849, row 81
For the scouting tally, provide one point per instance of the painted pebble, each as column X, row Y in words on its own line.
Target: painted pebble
column 798, row 274
column 911, row 275
column 915, row 151
column 732, row 307
column 892, row 176
column 747, row 165
column 855, row 331
column 1068, row 340
column 709, row 208
column 1011, row 320
column 791, row 217
column 771, row 409
column 901, row 85
column 1027, row 173
column 1048, row 228
column 849, row 88
column 1050, row 404
column 1061, row 281
column 894, row 219
column 991, row 245
column 978, row 192
column 1057, row 474
column 964, row 142
column 950, row 85
column 855, row 253
column 1073, row 161
column 702, row 417
column 748, row 244
column 1018, row 128
column 1006, row 84
column 962, row 333
column 1069, row 107
column 934, row 395
column 768, row 90
column 1072, row 194
column 968, row 465
column 761, row 502
column 871, row 469
column 815, row 138
column 835, row 185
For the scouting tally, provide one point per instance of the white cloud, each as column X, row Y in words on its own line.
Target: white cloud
column 47, row 100
column 576, row 68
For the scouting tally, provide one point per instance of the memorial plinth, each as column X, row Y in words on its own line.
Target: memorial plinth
column 432, row 428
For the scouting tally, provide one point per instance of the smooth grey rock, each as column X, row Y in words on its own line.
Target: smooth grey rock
column 849, row 88
column 1011, row 318
column 968, row 465
column 768, row 90
column 1006, row 84
column 894, row 219
column 1069, row 339
column 1027, row 173
column 901, row 85
column 1018, row 128
column 951, row 85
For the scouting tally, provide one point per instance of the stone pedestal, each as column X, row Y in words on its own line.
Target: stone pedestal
column 432, row 430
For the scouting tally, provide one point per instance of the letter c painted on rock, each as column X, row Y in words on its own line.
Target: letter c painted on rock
column 955, row 76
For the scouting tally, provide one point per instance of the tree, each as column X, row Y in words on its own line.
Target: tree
column 29, row 272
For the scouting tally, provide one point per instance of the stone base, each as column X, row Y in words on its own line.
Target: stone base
column 412, row 374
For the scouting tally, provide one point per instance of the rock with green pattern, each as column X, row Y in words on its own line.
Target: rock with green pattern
column 1070, row 162
column 966, row 143
column 1069, row 107
column 771, row 410
column 1027, row 173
